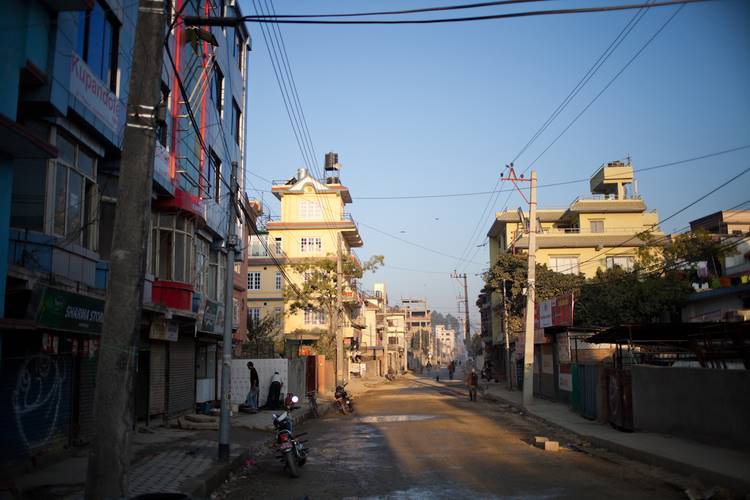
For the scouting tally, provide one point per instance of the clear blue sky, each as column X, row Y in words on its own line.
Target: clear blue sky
column 441, row 108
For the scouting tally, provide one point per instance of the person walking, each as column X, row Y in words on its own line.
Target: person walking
column 252, row 396
column 451, row 369
column 472, row 381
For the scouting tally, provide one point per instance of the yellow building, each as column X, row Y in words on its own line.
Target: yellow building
column 312, row 218
column 595, row 232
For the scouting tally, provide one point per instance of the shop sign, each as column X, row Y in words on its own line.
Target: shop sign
column 306, row 350
column 96, row 96
column 61, row 310
column 164, row 330
column 557, row 311
column 213, row 318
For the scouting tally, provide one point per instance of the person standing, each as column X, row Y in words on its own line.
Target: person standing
column 274, row 392
column 252, row 395
column 451, row 369
column 472, row 381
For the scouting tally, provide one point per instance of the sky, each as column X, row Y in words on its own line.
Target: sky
column 442, row 108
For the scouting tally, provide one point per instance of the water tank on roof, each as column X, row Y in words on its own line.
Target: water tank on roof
column 332, row 161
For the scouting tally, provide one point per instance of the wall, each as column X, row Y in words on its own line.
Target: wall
column 292, row 371
column 701, row 404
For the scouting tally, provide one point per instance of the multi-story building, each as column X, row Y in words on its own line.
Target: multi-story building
column 397, row 348
column 312, row 222
column 726, row 297
column 446, row 342
column 597, row 231
column 418, row 328
column 63, row 100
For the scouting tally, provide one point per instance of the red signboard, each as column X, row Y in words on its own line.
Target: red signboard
column 554, row 312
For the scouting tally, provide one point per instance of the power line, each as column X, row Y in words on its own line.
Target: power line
column 581, row 10
column 551, row 184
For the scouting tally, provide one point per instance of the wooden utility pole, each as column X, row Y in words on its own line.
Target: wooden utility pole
column 528, row 348
column 226, row 358
column 337, row 317
column 109, row 457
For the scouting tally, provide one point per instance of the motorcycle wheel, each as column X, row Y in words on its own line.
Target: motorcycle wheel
column 291, row 464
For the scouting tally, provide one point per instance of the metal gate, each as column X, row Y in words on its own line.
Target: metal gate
column 619, row 399
column 310, row 373
column 181, row 388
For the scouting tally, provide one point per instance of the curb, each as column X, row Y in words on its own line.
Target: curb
column 709, row 476
column 202, row 486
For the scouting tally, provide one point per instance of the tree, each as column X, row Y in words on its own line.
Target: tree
column 263, row 336
column 508, row 276
column 317, row 290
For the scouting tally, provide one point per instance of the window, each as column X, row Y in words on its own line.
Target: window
column 277, row 246
column 253, row 315
column 278, row 281
column 258, row 246
column 217, row 89
column 75, row 194
column 597, row 226
column 306, row 276
column 172, row 247
column 97, row 43
column 310, row 210
column 213, row 275
column 214, row 174
column 239, row 45
column 201, row 265
column 565, row 265
column 253, row 281
column 236, row 121
column 27, row 195
column 311, row 245
column 623, row 261
column 162, row 128
column 313, row 317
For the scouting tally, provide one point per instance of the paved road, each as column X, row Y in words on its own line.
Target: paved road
column 416, row 438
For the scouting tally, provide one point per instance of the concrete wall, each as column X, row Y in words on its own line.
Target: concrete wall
column 701, row 404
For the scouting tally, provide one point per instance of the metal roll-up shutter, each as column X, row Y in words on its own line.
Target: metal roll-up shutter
column 181, row 392
column 157, row 379
column 86, row 389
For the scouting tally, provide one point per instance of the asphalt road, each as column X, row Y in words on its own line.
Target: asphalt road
column 416, row 438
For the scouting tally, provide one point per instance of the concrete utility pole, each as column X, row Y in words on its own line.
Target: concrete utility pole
column 467, row 325
column 506, row 335
column 109, row 458
column 339, row 308
column 226, row 358
column 528, row 348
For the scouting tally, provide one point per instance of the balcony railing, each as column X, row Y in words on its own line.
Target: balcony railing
column 606, row 197
column 553, row 231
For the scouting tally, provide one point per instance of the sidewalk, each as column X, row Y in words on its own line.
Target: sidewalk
column 164, row 460
column 715, row 465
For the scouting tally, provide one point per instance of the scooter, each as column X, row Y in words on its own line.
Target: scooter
column 344, row 402
column 292, row 452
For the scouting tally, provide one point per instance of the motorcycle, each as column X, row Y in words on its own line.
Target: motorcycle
column 344, row 402
column 292, row 452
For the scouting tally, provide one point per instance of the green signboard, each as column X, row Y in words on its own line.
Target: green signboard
column 61, row 310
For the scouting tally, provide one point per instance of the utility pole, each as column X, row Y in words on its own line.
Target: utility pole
column 467, row 325
column 226, row 357
column 109, row 457
column 339, row 308
column 528, row 348
column 506, row 335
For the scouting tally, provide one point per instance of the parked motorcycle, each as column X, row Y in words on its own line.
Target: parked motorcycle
column 344, row 401
column 292, row 452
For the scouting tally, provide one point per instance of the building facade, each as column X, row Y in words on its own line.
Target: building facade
column 446, row 343
column 66, row 68
column 418, row 329
column 596, row 231
column 312, row 223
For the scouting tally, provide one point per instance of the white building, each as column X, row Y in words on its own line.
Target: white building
column 445, row 338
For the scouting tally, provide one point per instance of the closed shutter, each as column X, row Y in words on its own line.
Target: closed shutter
column 181, row 375
column 157, row 382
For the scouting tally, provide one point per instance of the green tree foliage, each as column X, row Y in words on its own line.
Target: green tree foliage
column 509, row 276
column 318, row 287
column 263, row 338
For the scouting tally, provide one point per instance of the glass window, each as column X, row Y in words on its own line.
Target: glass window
column 278, row 281
column 236, row 121
column 213, row 274
column 597, row 226
column 564, row 265
column 310, row 210
column 311, row 245
column 253, row 281
column 217, row 89
column 277, row 246
column 214, row 175
column 239, row 44
column 253, row 314
column 97, row 43
column 61, row 190
column 173, row 247
column 313, row 317
column 623, row 261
